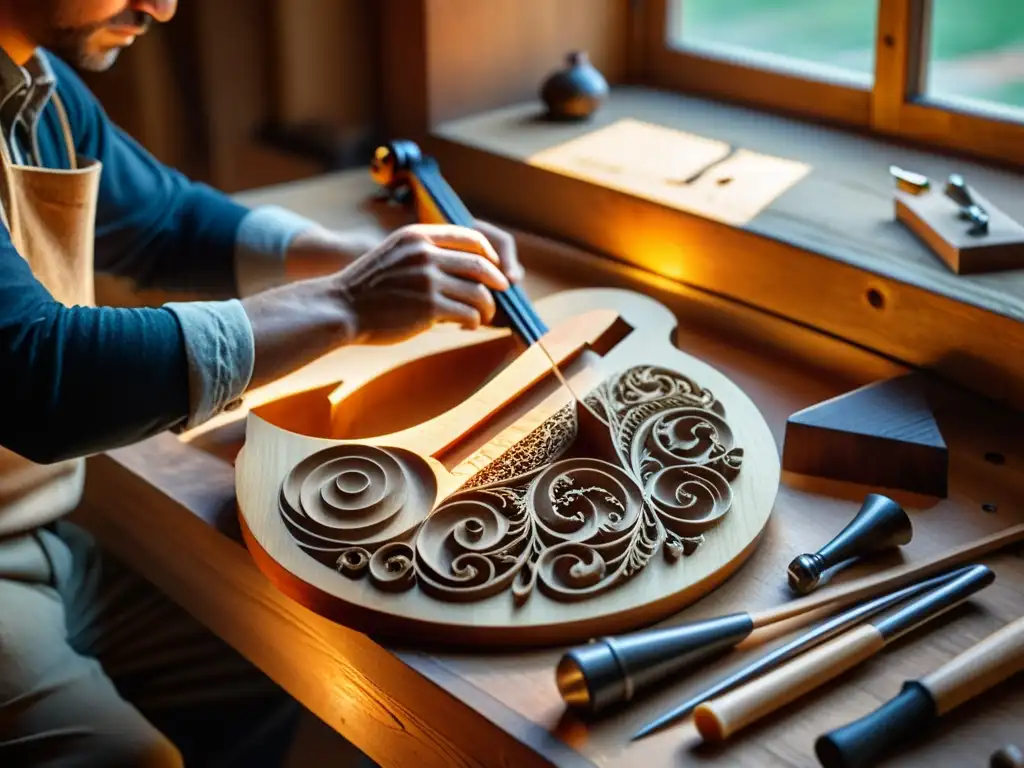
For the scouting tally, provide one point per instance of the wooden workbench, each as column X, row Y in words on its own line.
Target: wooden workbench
column 167, row 506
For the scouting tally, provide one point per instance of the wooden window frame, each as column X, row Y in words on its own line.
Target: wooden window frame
column 895, row 104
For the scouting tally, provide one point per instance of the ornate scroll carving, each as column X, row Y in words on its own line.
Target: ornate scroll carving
column 542, row 516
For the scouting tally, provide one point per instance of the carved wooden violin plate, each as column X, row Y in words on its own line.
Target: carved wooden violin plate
column 517, row 516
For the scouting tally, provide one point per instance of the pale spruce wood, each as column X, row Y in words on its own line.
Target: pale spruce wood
column 359, row 526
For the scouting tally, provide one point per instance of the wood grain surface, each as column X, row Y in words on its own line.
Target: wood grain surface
column 167, row 507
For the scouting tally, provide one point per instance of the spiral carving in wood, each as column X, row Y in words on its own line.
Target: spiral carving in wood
column 535, row 519
column 353, row 505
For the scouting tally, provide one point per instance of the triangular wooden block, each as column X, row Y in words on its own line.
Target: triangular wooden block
column 883, row 435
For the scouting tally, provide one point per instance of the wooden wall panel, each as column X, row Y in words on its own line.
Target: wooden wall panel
column 402, row 58
column 445, row 59
column 235, row 47
column 326, row 80
column 484, row 55
column 199, row 90
column 325, row 62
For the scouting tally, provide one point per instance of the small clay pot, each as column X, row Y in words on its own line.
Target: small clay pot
column 575, row 92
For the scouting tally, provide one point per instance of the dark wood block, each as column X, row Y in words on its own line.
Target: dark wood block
column 934, row 218
column 883, row 435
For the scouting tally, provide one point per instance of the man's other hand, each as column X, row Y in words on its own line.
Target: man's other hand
column 418, row 276
column 421, row 275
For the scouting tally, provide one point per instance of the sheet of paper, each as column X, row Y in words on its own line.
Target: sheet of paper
column 677, row 169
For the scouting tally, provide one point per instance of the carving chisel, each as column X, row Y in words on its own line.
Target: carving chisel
column 720, row 718
column 446, row 207
column 808, row 640
column 611, row 670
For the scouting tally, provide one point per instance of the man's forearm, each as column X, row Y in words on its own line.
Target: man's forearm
column 276, row 246
column 293, row 325
column 272, row 247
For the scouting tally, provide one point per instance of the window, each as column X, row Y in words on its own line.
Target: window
column 949, row 73
column 976, row 56
column 834, row 38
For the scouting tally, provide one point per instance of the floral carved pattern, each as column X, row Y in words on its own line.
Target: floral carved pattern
column 541, row 517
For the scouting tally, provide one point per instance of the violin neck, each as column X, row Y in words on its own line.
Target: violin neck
column 514, row 308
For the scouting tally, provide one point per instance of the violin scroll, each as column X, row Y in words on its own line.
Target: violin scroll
column 393, row 162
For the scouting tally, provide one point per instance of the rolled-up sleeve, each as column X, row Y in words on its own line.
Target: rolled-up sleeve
column 220, row 351
column 219, row 343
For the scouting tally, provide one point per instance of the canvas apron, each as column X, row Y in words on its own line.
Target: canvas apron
column 51, row 216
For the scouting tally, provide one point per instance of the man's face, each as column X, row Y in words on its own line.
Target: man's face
column 90, row 33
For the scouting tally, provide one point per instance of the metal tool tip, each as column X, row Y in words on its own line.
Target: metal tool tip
column 663, row 721
column 647, row 730
column 572, row 683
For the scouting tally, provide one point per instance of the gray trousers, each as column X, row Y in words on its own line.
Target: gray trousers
column 98, row 668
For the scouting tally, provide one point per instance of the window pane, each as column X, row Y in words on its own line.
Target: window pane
column 977, row 51
column 809, row 35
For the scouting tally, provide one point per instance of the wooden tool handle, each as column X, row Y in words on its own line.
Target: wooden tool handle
column 719, row 718
column 996, row 658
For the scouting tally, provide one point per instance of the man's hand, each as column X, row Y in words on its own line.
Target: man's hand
column 418, row 276
column 421, row 275
column 321, row 251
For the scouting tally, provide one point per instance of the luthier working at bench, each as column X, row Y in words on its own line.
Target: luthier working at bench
column 620, row 407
